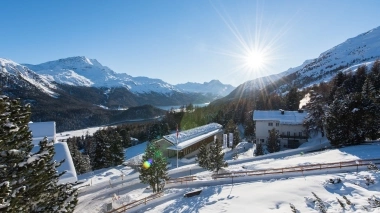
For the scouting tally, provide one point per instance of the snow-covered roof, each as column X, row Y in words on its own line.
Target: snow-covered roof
column 62, row 152
column 192, row 136
column 288, row 117
column 42, row 129
column 47, row 129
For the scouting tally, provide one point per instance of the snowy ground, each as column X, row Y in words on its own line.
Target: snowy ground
column 266, row 195
column 263, row 194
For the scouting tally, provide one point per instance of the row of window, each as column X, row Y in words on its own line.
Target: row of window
column 271, row 124
column 287, row 133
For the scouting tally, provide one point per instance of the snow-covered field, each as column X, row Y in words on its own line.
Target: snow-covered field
column 264, row 195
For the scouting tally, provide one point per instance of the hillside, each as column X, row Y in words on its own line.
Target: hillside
column 362, row 49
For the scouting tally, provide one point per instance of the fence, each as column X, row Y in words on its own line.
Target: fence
column 310, row 167
column 182, row 180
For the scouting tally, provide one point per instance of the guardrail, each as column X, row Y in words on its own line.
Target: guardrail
column 135, row 203
column 310, row 167
column 181, row 180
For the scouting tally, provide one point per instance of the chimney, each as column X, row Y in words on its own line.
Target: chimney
column 300, row 110
column 282, row 111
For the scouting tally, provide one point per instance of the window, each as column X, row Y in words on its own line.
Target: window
column 300, row 134
column 288, row 133
column 270, row 124
column 277, row 124
column 261, row 140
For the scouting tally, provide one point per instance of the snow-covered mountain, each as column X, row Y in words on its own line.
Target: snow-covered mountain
column 360, row 50
column 81, row 71
column 214, row 87
column 14, row 73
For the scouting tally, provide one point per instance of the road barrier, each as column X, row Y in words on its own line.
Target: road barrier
column 311, row 167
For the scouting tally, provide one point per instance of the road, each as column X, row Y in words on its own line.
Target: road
column 131, row 182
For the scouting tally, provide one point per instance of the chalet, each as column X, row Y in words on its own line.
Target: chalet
column 288, row 124
column 190, row 140
column 47, row 129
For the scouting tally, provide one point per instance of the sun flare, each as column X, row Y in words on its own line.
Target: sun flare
column 255, row 60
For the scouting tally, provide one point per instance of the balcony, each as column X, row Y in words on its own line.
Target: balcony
column 293, row 136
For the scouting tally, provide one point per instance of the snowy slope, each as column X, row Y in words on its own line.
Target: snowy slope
column 214, row 86
column 19, row 74
column 360, row 50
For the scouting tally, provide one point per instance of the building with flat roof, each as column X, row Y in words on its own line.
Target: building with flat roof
column 188, row 142
column 289, row 125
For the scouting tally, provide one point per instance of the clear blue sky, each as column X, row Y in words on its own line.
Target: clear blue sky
column 182, row 41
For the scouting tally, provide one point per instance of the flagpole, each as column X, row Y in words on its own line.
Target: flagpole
column 177, row 145
column 177, row 150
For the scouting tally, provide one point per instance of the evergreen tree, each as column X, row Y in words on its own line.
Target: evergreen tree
column 344, row 123
column 81, row 161
column 153, row 169
column 216, row 157
column 315, row 114
column 28, row 181
column 203, row 157
column 273, row 144
column 371, row 107
column 116, row 150
column 259, row 149
column 292, row 100
column 126, row 138
column 101, row 155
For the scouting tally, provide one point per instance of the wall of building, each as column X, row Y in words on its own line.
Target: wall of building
column 263, row 128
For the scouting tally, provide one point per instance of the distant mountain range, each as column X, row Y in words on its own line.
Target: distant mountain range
column 78, row 92
column 78, row 89
column 81, row 71
column 363, row 49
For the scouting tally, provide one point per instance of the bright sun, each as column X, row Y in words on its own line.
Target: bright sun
column 254, row 60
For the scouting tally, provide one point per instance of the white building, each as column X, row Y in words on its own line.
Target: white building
column 39, row 131
column 190, row 141
column 287, row 123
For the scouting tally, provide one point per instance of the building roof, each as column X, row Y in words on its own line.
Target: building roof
column 288, row 117
column 192, row 136
column 62, row 153
column 47, row 129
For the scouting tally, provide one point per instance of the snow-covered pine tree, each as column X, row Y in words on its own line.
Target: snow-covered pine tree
column 28, row 181
column 116, row 148
column 101, row 155
column 259, row 148
column 371, row 107
column 203, row 157
column 292, row 99
column 125, row 137
column 344, row 120
column 315, row 114
column 319, row 203
column 341, row 203
column 81, row 161
column 273, row 144
column 153, row 167
column 216, row 157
